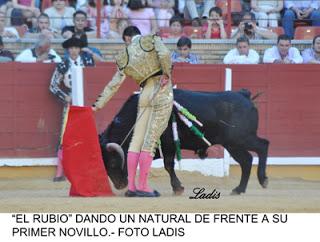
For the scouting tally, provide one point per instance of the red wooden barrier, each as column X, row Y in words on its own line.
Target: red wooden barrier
column 289, row 113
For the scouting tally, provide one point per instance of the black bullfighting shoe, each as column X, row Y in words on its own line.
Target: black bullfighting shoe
column 59, row 178
column 130, row 194
column 147, row 194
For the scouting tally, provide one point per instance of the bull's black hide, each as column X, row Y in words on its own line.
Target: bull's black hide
column 229, row 118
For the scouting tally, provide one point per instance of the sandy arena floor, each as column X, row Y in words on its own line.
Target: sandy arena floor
column 283, row 195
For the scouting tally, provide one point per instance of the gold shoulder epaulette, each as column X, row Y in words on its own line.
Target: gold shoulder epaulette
column 147, row 43
column 122, row 59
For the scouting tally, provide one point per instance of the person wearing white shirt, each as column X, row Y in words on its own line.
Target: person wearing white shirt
column 305, row 9
column 40, row 53
column 242, row 54
column 7, row 32
column 267, row 12
column 60, row 14
column 283, row 53
column 312, row 55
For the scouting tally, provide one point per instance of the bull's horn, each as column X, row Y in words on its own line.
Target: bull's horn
column 118, row 149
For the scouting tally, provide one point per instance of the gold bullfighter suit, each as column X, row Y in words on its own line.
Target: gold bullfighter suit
column 147, row 61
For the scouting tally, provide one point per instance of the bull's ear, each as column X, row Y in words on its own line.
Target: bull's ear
column 117, row 148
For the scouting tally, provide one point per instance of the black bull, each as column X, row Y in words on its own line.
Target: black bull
column 229, row 119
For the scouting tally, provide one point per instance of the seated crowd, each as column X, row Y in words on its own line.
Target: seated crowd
column 45, row 20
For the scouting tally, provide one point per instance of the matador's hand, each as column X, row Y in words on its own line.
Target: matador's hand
column 164, row 79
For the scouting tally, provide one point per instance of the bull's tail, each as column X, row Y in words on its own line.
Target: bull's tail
column 256, row 96
column 246, row 93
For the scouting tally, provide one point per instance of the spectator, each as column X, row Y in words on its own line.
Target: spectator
column 215, row 27
column 90, row 8
column 176, row 28
column 312, row 55
column 283, row 53
column 179, row 7
column 7, row 32
column 28, row 8
column 41, row 52
column 142, row 17
column 60, row 15
column 5, row 55
column 79, row 27
column 163, row 10
column 267, row 12
column 4, row 5
column 43, row 27
column 61, row 85
column 117, row 15
column 199, row 9
column 303, row 9
column 118, row 31
column 246, row 6
column 249, row 28
column 242, row 54
column 183, row 52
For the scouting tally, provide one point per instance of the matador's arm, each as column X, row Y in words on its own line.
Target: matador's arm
column 164, row 56
column 111, row 89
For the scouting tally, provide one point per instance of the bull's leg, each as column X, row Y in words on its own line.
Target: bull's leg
column 260, row 146
column 244, row 158
column 177, row 188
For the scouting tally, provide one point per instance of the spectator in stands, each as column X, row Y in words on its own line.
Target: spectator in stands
column 183, row 52
column 118, row 31
column 41, row 52
column 60, row 15
column 61, row 85
column 246, row 5
column 79, row 27
column 249, row 28
column 214, row 29
column 4, row 5
column 303, row 9
column 43, row 27
column 199, row 10
column 267, row 12
column 142, row 17
column 242, row 54
column 283, row 53
column 176, row 28
column 312, row 55
column 7, row 32
column 116, row 21
column 163, row 10
column 179, row 7
column 5, row 55
column 90, row 8
column 29, row 10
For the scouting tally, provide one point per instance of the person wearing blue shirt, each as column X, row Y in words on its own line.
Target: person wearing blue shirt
column 182, row 54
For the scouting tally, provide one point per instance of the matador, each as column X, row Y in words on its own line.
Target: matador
column 147, row 61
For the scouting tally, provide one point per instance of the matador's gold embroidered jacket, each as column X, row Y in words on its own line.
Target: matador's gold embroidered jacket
column 142, row 59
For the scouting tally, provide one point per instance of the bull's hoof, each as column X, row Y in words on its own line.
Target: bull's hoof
column 178, row 191
column 236, row 191
column 59, row 178
column 265, row 183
